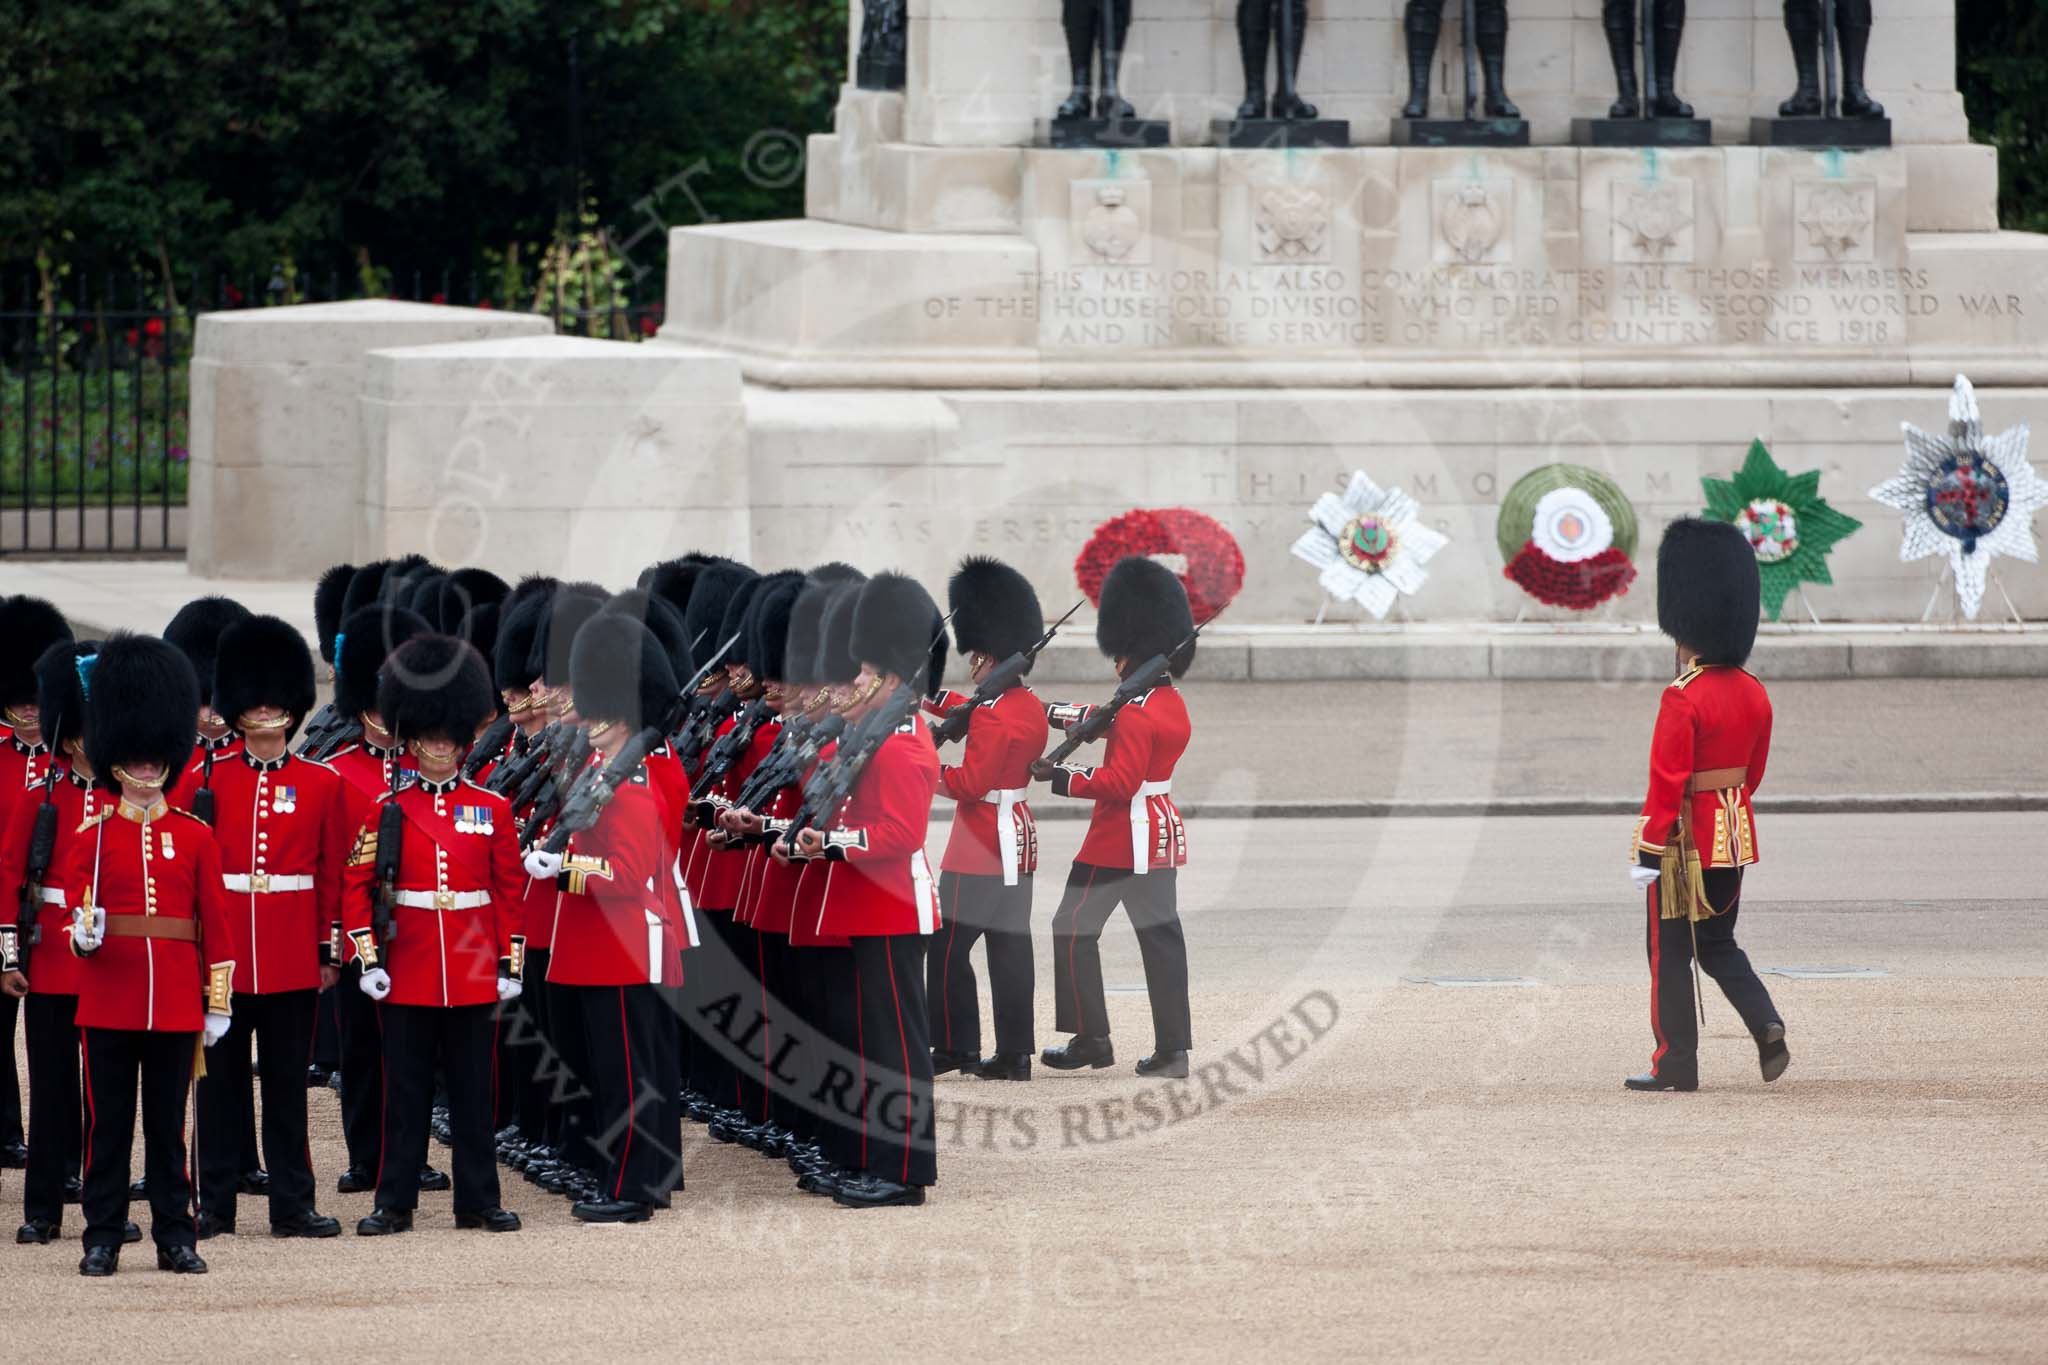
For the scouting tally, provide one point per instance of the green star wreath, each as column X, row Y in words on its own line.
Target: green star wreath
column 1789, row 525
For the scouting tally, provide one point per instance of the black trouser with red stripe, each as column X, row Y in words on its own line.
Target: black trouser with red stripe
column 362, row 1069
column 976, row 907
column 56, row 1115
column 1093, row 894
column 827, row 1062
column 529, row 1061
column 115, row 1060
column 897, row 1138
column 632, row 1104
column 787, row 1036
column 571, row 1097
column 10, row 1079
column 281, row 1025
column 457, row 1039
column 1673, row 1017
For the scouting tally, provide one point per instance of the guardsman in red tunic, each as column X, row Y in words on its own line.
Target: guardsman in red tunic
column 986, row 873
column 28, row 626
column 1135, row 843
column 448, row 953
column 370, row 765
column 143, row 885
column 1697, row 830
column 196, row 630
column 38, row 960
column 282, row 824
column 615, row 932
column 328, row 593
column 879, row 895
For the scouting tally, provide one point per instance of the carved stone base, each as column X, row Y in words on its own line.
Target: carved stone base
column 1102, row 132
column 1274, row 133
column 1642, row 132
column 1821, row 132
column 1458, row 132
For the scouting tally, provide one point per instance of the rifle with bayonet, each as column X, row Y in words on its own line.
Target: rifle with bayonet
column 560, row 778
column 1000, row 679
column 489, row 745
column 730, row 748
column 595, row 787
column 833, row 782
column 1140, row 680
column 42, row 845
column 326, row 732
column 384, row 894
column 513, row 774
column 692, row 717
column 202, row 800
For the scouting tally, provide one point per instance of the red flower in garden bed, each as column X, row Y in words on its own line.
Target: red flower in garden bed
column 1579, row 585
column 1213, row 565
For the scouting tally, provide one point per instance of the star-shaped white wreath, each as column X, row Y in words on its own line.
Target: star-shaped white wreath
column 1370, row 544
column 1966, row 496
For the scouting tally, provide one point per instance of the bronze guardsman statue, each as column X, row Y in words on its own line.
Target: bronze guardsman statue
column 1805, row 25
column 1663, row 26
column 1093, row 25
column 1256, row 21
column 1423, row 21
column 883, row 59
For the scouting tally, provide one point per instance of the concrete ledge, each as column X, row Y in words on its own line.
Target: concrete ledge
column 1902, row 803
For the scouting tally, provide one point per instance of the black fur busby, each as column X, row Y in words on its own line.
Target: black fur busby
column 620, row 672
column 328, row 595
column 672, row 579
column 995, row 609
column 479, row 626
column 263, row 662
column 896, row 628
column 1708, row 589
column 805, row 645
column 423, row 597
column 140, row 696
column 365, row 641
column 57, row 690
column 768, row 627
column 196, row 631
column 462, row 592
column 654, row 612
column 519, row 623
column 1144, row 611
column 734, row 622
column 364, row 586
column 28, row 626
column 435, row 687
column 403, row 578
column 556, row 637
column 710, row 595
column 836, row 661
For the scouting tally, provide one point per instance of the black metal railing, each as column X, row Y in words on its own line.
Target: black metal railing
column 95, row 441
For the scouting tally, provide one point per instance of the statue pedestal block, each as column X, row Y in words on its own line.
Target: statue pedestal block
column 1104, row 132
column 1274, row 134
column 1642, row 132
column 1460, row 132
column 1821, row 132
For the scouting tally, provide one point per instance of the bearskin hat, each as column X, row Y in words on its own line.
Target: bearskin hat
column 479, row 626
column 672, row 579
column 423, row 596
column 556, row 636
column 364, row 642
column 768, row 627
column 519, row 623
column 710, row 595
column 805, row 645
column 1708, row 589
column 619, row 671
column 263, row 662
column 57, row 694
column 435, row 686
column 328, row 595
column 734, row 622
column 404, row 575
column 460, row 593
column 995, row 609
column 1144, row 611
column 364, row 587
column 196, row 631
column 836, row 660
column 894, row 625
column 28, row 626
column 655, row 613
column 140, row 696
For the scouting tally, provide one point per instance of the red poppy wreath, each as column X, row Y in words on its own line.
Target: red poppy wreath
column 1213, row 568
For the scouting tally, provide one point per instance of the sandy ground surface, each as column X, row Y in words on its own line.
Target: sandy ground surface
column 1366, row 1164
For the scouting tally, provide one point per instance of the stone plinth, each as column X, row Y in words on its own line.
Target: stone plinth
column 276, row 446
column 561, row 455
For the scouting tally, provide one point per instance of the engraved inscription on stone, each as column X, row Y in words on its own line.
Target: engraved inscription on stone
column 1653, row 222
column 1112, row 222
column 1835, row 220
column 1291, row 223
column 1474, row 220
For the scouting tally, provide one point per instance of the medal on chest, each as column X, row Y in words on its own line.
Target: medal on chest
column 473, row 820
column 284, row 800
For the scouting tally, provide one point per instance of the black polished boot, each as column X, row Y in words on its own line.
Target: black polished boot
column 1621, row 51
column 431, row 1179
column 1803, row 31
column 180, row 1261
column 210, row 1224
column 1171, row 1065
column 306, row 1223
column 611, row 1211
column 944, row 1060
column 872, row 1192
column 99, row 1262
column 1079, row 1051
column 489, row 1220
column 1772, row 1057
column 384, row 1223
column 1856, row 101
column 1420, row 26
column 256, row 1182
column 1002, row 1066
column 1664, row 100
column 1653, row 1082
column 356, row 1180
column 36, row 1233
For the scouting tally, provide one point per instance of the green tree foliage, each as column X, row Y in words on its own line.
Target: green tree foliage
column 2002, row 69
column 186, row 137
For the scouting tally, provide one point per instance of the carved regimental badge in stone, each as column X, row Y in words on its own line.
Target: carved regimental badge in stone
column 1474, row 224
column 1292, row 224
column 1112, row 222
column 1653, row 223
column 1835, row 220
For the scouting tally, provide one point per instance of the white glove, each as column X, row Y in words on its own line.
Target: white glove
column 542, row 865
column 216, row 1028
column 376, row 983
column 508, row 989
column 1643, row 877
column 88, row 928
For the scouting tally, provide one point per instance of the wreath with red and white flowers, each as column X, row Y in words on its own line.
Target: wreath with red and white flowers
column 1196, row 546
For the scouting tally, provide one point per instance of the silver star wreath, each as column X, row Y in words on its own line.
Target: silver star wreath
column 1966, row 496
column 1370, row 544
